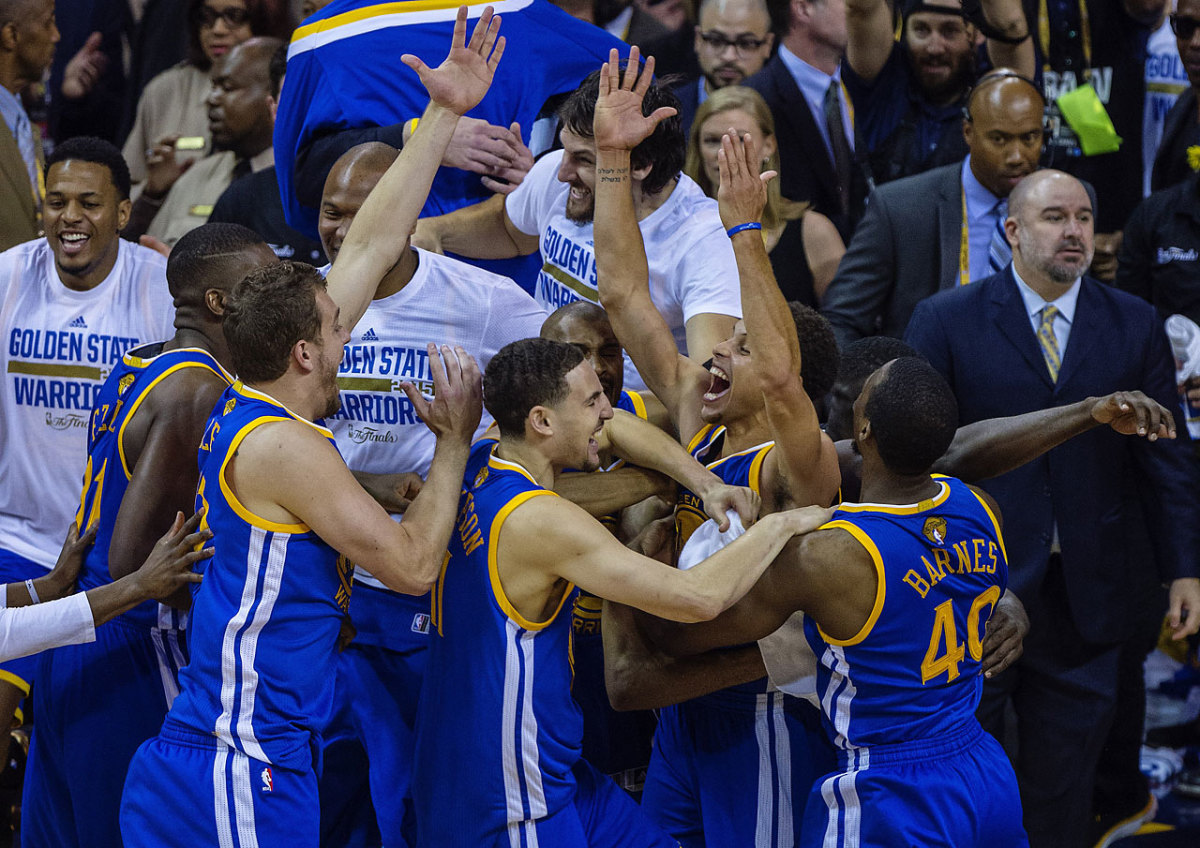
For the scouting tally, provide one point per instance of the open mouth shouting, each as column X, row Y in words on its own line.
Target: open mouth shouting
column 718, row 385
column 73, row 242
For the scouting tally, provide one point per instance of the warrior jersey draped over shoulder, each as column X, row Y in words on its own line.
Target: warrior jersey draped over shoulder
column 913, row 671
column 265, row 619
column 498, row 731
column 109, row 470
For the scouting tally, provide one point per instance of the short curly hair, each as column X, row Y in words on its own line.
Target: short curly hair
column 818, row 351
column 525, row 374
column 913, row 415
column 87, row 148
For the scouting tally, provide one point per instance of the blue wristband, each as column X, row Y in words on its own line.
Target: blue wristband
column 733, row 231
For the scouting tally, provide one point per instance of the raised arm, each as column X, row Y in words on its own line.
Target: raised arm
column 1007, row 17
column 804, row 457
column 379, row 235
column 481, row 231
column 869, row 36
column 622, row 273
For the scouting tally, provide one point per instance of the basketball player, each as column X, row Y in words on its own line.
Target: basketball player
column 897, row 592
column 516, row 556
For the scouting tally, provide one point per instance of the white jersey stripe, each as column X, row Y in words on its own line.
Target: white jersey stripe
column 221, row 797
column 531, row 835
column 783, row 766
column 829, row 796
column 853, row 823
column 766, row 784
column 249, row 646
column 243, row 802
column 229, row 657
column 514, row 835
column 508, row 731
column 530, row 756
column 166, row 669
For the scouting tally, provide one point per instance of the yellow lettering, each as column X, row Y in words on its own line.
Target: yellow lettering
column 934, row 574
column 964, row 558
column 944, row 632
column 991, row 558
column 471, row 544
column 987, row 598
column 943, row 561
column 207, row 442
column 976, row 543
column 917, row 582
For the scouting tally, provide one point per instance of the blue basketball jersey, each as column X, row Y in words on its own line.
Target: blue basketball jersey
column 739, row 469
column 497, row 731
column 265, row 619
column 913, row 671
column 108, row 470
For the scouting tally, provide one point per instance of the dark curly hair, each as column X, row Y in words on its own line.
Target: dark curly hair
column 525, row 374
column 87, row 148
column 913, row 415
column 818, row 351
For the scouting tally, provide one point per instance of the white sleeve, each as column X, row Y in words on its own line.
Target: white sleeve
column 28, row 630
column 707, row 275
column 512, row 315
column 526, row 206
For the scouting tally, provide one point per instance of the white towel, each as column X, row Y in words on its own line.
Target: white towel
column 1185, row 344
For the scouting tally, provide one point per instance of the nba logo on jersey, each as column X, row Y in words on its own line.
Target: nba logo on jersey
column 268, row 784
column 935, row 530
column 420, row 623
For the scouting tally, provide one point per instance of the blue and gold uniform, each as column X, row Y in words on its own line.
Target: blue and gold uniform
column 498, row 734
column 119, row 687
column 899, row 698
column 235, row 756
column 726, row 766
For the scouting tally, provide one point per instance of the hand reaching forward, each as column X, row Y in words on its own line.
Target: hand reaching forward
column 457, row 394
column 462, row 80
column 1132, row 413
column 618, row 123
column 742, row 195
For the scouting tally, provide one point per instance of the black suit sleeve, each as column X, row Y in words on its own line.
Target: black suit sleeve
column 315, row 160
column 866, row 277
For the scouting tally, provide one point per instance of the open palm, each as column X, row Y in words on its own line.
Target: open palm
column 618, row 123
column 461, row 81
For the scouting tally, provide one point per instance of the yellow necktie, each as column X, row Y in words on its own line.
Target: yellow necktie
column 1047, row 340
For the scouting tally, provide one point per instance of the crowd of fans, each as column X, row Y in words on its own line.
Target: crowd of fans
column 1006, row 190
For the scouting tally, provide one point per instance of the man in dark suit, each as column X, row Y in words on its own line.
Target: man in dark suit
column 913, row 243
column 819, row 160
column 1083, row 519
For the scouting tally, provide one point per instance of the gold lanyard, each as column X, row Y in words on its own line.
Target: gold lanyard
column 1085, row 33
column 964, row 248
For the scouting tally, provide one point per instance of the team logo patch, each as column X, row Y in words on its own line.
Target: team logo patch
column 268, row 782
column 229, row 405
column 935, row 530
column 420, row 623
column 125, row 383
column 480, row 477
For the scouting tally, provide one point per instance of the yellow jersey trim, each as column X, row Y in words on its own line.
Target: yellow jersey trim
column 639, row 405
column 19, row 682
column 141, row 397
column 238, row 507
column 708, row 431
column 880, row 586
column 508, row 465
column 494, row 565
column 244, row 390
column 380, row 10
column 901, row 509
column 995, row 523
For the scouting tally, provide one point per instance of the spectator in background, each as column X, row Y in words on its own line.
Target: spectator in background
column 804, row 245
column 914, row 239
column 909, row 94
column 240, row 108
column 87, row 78
column 173, row 106
column 25, row 53
column 1181, row 127
column 1166, row 79
column 253, row 200
column 1039, row 335
column 1160, row 255
column 822, row 162
column 733, row 41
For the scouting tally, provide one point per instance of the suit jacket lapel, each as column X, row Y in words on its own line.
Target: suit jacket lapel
column 1086, row 328
column 803, row 123
column 949, row 213
column 1008, row 313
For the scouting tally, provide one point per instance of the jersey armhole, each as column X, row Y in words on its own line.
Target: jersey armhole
column 880, row 584
column 236, row 505
column 494, row 565
column 141, row 397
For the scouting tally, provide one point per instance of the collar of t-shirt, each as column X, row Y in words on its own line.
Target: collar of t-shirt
column 813, row 83
column 1034, row 303
column 981, row 220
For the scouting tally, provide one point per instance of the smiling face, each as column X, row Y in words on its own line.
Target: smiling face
column 579, row 418
column 733, row 391
column 941, row 53
column 578, row 170
column 331, row 347
column 82, row 215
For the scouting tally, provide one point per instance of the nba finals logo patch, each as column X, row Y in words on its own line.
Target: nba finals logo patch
column 480, row 477
column 268, row 783
column 229, row 405
column 125, row 383
column 935, row 530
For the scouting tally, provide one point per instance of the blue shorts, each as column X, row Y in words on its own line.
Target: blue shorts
column 187, row 788
column 19, row 672
column 378, row 686
column 95, row 704
column 956, row 792
column 726, row 768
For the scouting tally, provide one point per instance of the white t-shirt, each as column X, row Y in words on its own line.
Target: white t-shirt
column 1165, row 81
column 59, row 346
column 39, row 627
column 446, row 302
column 692, row 267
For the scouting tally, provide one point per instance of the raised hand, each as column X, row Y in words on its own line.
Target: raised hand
column 457, row 394
column 461, row 81
column 618, row 123
column 742, row 195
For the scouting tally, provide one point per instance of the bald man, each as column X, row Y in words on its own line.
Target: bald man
column 1084, row 521
column 424, row 296
column 914, row 240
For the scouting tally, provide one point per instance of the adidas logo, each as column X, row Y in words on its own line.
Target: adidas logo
column 78, row 322
column 369, row 336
